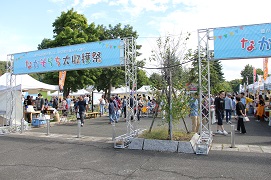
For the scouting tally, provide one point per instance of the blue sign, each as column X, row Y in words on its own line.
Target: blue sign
column 242, row 42
column 74, row 57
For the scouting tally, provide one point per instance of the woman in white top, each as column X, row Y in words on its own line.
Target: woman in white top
column 102, row 103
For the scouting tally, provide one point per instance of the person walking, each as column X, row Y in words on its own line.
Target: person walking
column 28, row 102
column 64, row 107
column 260, row 108
column 219, row 110
column 205, row 109
column 111, row 110
column 81, row 108
column 118, row 106
column 243, row 98
column 55, row 102
column 234, row 106
column 124, row 103
column 68, row 99
column 228, row 108
column 102, row 104
column 194, row 113
column 86, row 99
column 241, row 112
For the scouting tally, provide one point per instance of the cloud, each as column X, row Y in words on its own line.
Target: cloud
column 136, row 8
column 98, row 15
column 57, row 1
column 76, row 2
column 87, row 3
column 50, row 11
column 118, row 3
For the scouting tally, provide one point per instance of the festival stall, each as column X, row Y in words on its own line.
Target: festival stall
column 22, row 83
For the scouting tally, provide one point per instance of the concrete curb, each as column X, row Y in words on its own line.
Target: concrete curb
column 164, row 145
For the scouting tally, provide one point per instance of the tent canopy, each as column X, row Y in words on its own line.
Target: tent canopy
column 27, row 83
column 121, row 90
column 146, row 89
column 77, row 93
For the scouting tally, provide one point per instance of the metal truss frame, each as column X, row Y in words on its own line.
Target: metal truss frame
column 130, row 80
column 10, row 95
column 204, row 56
column 131, row 92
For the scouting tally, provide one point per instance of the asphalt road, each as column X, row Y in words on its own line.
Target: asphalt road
column 29, row 156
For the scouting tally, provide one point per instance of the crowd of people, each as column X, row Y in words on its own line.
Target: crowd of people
column 229, row 106
column 115, row 106
column 226, row 106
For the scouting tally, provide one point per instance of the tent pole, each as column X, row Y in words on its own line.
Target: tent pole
column 92, row 101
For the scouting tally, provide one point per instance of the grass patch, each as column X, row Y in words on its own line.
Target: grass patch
column 162, row 134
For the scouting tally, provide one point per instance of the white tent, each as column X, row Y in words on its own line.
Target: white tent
column 146, row 90
column 14, row 91
column 15, row 112
column 121, row 90
column 77, row 93
column 27, row 83
column 80, row 92
column 54, row 93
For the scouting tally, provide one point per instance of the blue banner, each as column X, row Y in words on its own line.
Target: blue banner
column 74, row 57
column 242, row 42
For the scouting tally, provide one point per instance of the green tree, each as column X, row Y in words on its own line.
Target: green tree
column 216, row 73
column 247, row 74
column 217, row 67
column 3, row 65
column 110, row 77
column 46, row 43
column 235, row 84
column 156, row 80
column 223, row 86
column 142, row 78
column 259, row 71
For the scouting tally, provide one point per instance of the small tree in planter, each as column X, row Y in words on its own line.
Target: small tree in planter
column 173, row 100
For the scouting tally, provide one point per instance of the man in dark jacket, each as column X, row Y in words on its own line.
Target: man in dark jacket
column 219, row 110
column 81, row 107
column 40, row 103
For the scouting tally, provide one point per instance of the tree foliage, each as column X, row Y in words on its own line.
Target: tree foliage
column 247, row 74
column 3, row 65
column 169, row 55
column 156, row 80
column 235, row 85
column 142, row 78
column 259, row 71
column 223, row 86
column 216, row 71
